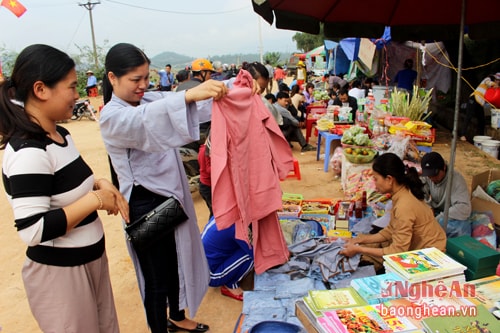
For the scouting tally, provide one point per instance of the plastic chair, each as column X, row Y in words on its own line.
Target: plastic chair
column 329, row 137
column 296, row 170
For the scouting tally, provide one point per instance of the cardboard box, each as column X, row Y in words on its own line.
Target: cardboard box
column 481, row 260
column 307, row 319
column 483, row 179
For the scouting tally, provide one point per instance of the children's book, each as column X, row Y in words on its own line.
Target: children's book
column 335, row 298
column 377, row 288
column 424, row 264
column 481, row 322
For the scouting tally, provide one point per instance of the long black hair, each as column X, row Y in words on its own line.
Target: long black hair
column 120, row 60
column 37, row 62
column 390, row 164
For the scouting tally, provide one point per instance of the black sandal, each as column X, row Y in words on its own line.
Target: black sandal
column 200, row 328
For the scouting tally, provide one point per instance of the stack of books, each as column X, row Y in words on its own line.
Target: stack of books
column 344, row 310
column 427, row 265
column 378, row 288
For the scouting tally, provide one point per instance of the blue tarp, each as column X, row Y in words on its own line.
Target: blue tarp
column 343, row 53
column 337, row 61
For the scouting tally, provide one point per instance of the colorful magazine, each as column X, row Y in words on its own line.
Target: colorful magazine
column 357, row 319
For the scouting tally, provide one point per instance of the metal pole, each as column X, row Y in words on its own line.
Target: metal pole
column 451, row 164
column 261, row 48
column 89, row 6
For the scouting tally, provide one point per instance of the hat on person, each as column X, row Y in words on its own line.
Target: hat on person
column 431, row 164
column 497, row 76
column 201, row 65
column 90, row 72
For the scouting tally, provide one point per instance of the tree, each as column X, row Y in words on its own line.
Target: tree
column 84, row 61
column 307, row 42
column 272, row 57
column 7, row 60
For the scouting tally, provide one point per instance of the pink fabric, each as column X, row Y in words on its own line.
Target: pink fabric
column 249, row 156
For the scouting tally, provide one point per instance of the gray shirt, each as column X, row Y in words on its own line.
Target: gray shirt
column 460, row 207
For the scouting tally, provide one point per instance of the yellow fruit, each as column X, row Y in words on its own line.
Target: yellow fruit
column 348, row 150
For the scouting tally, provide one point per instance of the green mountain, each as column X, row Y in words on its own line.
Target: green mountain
column 179, row 61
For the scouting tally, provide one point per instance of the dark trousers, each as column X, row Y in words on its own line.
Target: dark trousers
column 159, row 267
column 293, row 133
column 474, row 109
column 206, row 194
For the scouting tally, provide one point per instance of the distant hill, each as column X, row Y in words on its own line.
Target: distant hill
column 179, row 61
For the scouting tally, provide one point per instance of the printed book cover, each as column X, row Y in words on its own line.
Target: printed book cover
column 377, row 288
column 424, row 264
column 482, row 322
column 335, row 298
column 310, row 306
column 487, row 291
column 398, row 324
column 358, row 319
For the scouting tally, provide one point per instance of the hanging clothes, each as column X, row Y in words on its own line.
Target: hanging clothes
column 249, row 157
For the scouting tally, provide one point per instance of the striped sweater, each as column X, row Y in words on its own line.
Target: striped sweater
column 40, row 178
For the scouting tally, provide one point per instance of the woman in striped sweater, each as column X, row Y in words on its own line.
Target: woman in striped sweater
column 55, row 198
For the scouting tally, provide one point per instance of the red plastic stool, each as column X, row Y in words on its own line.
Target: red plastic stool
column 296, row 170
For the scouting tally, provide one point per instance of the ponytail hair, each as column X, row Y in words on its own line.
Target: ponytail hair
column 256, row 69
column 36, row 62
column 121, row 59
column 390, row 164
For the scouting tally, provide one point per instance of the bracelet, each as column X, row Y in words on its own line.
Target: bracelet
column 98, row 198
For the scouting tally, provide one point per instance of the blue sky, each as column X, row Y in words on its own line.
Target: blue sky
column 197, row 28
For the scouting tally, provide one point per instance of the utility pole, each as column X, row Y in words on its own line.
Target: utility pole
column 89, row 6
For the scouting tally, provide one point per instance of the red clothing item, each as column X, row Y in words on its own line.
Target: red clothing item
column 249, row 156
column 205, row 166
column 279, row 74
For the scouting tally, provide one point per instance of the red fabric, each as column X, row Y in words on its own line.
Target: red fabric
column 279, row 74
column 14, row 6
column 249, row 155
column 492, row 95
column 205, row 166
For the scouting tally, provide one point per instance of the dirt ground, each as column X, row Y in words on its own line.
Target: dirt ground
column 220, row 312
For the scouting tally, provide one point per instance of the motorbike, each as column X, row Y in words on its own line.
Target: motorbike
column 83, row 108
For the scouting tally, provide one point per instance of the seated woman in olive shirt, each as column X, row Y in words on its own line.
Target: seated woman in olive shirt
column 412, row 225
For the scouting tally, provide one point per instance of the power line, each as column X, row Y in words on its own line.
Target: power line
column 180, row 12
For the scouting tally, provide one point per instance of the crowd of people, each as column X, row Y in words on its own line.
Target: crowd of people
column 55, row 202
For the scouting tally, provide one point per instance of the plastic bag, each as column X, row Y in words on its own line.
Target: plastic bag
column 336, row 161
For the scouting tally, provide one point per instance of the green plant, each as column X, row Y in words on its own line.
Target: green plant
column 414, row 108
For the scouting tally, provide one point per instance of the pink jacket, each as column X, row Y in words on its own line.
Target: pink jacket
column 249, row 157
